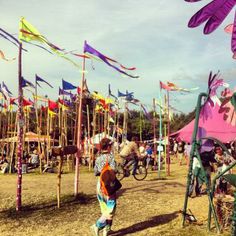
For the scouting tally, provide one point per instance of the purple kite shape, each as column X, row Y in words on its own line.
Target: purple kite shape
column 213, row 14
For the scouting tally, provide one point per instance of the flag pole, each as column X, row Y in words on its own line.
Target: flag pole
column 20, row 132
column 160, row 139
column 37, row 126
column 140, row 124
column 76, row 181
column 154, row 131
column 168, row 133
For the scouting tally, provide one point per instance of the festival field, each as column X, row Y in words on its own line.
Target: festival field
column 149, row 207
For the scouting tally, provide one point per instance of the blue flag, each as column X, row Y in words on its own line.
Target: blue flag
column 67, row 86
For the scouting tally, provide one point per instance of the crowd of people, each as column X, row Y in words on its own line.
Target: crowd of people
column 30, row 160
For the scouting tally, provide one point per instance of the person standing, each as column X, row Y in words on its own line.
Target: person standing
column 180, row 152
column 107, row 203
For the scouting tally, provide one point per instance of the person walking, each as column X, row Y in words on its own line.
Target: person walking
column 107, row 203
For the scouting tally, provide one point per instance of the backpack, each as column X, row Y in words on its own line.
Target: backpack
column 108, row 181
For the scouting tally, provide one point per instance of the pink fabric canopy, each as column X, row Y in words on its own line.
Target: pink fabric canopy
column 214, row 126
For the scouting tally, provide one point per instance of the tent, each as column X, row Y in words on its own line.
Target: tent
column 214, row 126
column 98, row 137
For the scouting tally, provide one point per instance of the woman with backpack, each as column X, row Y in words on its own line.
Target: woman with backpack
column 105, row 169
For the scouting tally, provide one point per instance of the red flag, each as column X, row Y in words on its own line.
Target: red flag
column 164, row 86
column 43, row 108
column 52, row 105
column 12, row 101
column 27, row 103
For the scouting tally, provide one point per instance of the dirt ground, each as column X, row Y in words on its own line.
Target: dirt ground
column 149, row 207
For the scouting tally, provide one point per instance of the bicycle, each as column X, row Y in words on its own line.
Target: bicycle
column 139, row 174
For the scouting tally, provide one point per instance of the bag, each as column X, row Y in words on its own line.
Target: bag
column 108, row 181
column 113, row 186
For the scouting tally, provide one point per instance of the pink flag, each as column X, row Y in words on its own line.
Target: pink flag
column 164, row 86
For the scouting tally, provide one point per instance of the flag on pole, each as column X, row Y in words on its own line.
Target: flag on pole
column 67, row 86
column 39, row 79
column 28, row 33
column 26, row 83
column 27, row 102
column 164, row 86
column 4, row 34
column 64, row 92
column 109, row 92
column 6, row 88
column 52, row 105
column 110, row 62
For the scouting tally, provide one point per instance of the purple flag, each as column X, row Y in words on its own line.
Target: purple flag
column 91, row 50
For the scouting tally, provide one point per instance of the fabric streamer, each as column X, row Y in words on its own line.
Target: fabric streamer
column 107, row 60
column 2, row 56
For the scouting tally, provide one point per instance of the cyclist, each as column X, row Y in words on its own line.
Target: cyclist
column 130, row 154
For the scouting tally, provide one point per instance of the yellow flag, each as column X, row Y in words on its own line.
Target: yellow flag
column 51, row 113
column 28, row 32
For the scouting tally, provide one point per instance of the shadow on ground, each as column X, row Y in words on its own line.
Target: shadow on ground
column 46, row 208
column 152, row 222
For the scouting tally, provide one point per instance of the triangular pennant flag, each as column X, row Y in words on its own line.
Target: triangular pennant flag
column 67, row 86
column 39, row 79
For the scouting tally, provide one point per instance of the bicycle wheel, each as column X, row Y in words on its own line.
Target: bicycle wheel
column 119, row 172
column 141, row 173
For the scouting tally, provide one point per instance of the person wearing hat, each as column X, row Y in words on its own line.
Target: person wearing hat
column 107, row 203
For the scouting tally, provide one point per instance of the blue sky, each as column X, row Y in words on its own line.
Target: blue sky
column 151, row 35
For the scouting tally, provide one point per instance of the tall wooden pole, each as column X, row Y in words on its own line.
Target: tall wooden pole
column 20, row 132
column 160, row 140
column 124, row 135
column 76, row 181
column 168, row 134
column 154, row 131
column 88, row 136
column 140, row 124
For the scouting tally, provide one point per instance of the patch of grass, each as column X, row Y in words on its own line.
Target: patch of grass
column 149, row 207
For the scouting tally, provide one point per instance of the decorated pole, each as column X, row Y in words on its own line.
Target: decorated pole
column 140, row 124
column 88, row 136
column 160, row 140
column 20, row 132
column 125, row 120
column 76, row 181
column 168, row 134
column 154, row 132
